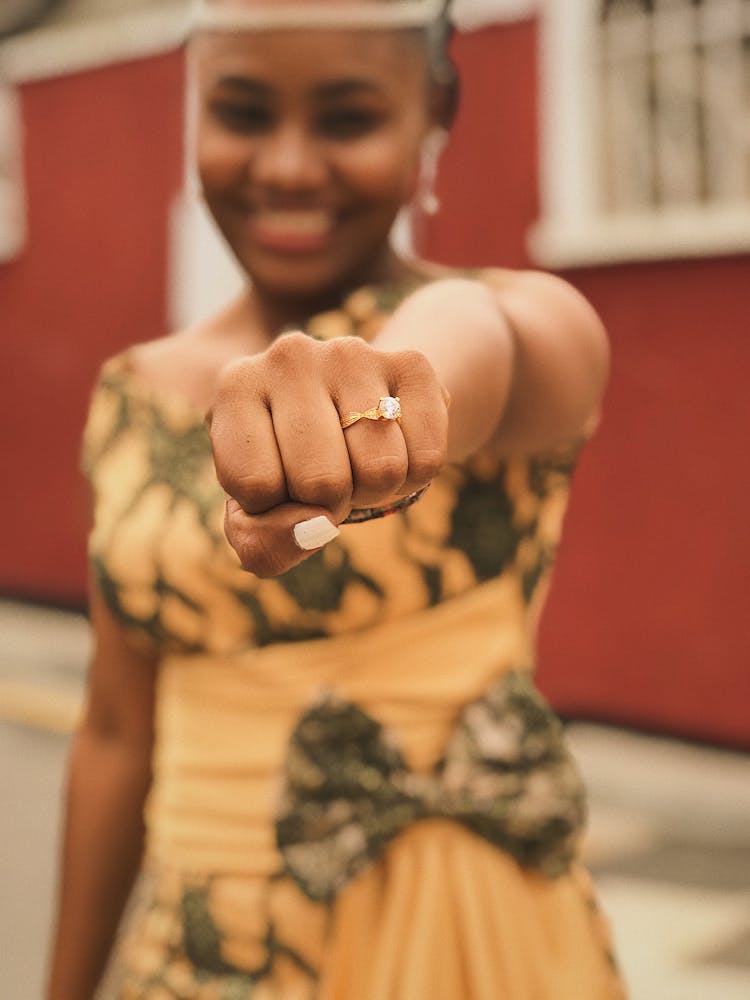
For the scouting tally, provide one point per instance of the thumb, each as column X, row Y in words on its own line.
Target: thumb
column 270, row 543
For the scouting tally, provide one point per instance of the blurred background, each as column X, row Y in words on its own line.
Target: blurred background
column 607, row 140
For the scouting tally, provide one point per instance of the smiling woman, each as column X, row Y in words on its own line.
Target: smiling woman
column 303, row 170
column 354, row 790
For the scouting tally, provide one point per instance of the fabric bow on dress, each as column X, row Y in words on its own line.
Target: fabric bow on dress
column 505, row 774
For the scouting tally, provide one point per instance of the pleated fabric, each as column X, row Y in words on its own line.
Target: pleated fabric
column 446, row 916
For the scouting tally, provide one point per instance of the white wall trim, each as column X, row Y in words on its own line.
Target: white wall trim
column 12, row 188
column 59, row 48
column 203, row 274
column 471, row 15
column 567, row 110
column 668, row 234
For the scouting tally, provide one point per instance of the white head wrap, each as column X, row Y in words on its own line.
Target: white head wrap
column 259, row 16
column 465, row 15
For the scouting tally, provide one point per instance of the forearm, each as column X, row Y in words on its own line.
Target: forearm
column 459, row 327
column 107, row 784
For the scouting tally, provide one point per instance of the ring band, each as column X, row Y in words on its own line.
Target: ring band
column 388, row 408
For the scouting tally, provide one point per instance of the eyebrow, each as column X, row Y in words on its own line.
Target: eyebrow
column 245, row 84
column 346, row 88
column 336, row 89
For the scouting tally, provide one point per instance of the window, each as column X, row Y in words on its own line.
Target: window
column 646, row 130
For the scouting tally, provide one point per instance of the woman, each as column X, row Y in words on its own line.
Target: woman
column 354, row 789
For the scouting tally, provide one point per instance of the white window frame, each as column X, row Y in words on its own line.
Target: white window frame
column 88, row 34
column 12, row 188
column 574, row 230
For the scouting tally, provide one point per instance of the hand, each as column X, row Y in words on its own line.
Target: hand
column 283, row 458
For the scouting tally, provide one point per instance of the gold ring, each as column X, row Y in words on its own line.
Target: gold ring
column 388, row 408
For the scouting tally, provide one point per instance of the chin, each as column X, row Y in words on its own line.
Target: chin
column 303, row 279
column 280, row 284
column 350, row 260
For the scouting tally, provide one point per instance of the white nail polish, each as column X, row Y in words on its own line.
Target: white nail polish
column 315, row 532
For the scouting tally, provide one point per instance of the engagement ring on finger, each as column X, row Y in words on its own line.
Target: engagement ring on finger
column 388, row 408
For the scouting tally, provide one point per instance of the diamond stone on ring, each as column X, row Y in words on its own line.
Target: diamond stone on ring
column 388, row 408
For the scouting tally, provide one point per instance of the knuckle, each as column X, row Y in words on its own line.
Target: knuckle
column 323, row 488
column 289, row 359
column 426, row 463
column 288, row 346
column 236, row 376
column 345, row 354
column 347, row 347
column 412, row 366
column 386, row 471
column 255, row 491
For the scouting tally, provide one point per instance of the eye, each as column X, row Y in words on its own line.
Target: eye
column 348, row 123
column 244, row 118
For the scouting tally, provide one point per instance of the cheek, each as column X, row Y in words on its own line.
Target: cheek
column 383, row 170
column 221, row 159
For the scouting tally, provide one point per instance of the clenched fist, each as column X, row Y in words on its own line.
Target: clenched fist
column 284, row 459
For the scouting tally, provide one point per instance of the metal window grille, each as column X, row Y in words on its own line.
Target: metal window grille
column 674, row 81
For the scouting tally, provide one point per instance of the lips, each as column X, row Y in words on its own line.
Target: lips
column 293, row 230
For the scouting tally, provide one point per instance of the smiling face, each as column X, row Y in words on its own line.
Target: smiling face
column 308, row 145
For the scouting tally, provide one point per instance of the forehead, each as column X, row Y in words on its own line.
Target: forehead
column 392, row 61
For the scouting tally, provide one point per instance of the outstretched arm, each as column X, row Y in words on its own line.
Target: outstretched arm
column 524, row 357
column 521, row 358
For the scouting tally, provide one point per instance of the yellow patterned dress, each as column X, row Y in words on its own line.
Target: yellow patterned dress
column 358, row 793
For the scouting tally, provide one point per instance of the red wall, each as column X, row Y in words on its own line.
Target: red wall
column 647, row 620
column 488, row 175
column 103, row 161
column 648, row 617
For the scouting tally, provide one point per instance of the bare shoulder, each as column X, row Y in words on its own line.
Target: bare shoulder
column 161, row 362
column 568, row 306
column 544, row 307
column 186, row 363
column 524, row 295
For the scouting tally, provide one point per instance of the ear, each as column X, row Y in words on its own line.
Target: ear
column 444, row 100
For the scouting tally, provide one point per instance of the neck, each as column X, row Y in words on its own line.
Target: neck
column 276, row 312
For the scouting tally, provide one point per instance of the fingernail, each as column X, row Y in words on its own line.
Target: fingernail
column 315, row 532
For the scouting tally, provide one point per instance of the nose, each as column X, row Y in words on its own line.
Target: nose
column 288, row 159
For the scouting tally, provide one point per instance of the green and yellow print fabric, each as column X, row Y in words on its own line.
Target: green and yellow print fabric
column 159, row 553
column 505, row 774
column 217, row 938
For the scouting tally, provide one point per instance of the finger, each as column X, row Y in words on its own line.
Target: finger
column 377, row 450
column 271, row 543
column 313, row 451
column 424, row 418
column 379, row 461
column 246, row 456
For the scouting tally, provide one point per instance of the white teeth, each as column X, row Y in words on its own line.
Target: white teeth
column 309, row 222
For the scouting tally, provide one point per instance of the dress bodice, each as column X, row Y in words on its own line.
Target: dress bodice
column 159, row 553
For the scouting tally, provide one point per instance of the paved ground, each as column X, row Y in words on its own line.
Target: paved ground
column 669, row 840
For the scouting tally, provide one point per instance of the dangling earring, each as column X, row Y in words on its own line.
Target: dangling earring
column 429, row 156
column 424, row 201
